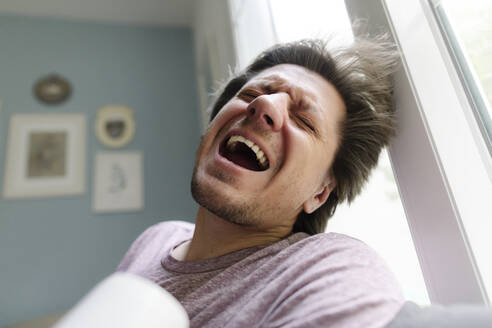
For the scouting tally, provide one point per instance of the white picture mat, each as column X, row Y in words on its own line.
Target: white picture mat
column 16, row 182
column 130, row 197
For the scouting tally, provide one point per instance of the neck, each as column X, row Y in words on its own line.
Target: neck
column 214, row 237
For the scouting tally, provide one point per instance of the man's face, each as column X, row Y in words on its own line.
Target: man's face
column 267, row 154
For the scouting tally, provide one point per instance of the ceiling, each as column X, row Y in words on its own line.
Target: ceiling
column 142, row 12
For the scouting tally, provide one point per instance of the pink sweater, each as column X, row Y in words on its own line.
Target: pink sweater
column 325, row 280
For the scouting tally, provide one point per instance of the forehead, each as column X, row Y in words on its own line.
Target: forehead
column 302, row 82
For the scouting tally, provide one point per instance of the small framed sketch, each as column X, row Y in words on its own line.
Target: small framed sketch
column 45, row 155
column 118, row 185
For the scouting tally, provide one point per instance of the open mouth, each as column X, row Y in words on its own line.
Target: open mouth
column 245, row 153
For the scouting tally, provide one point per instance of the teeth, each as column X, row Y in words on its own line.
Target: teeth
column 260, row 155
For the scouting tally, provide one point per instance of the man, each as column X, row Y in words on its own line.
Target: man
column 290, row 137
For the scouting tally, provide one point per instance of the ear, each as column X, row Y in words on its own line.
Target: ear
column 320, row 196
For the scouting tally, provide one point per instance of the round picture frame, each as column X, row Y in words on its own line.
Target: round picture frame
column 115, row 126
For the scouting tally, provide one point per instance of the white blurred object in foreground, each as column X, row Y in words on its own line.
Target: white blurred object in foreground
column 124, row 300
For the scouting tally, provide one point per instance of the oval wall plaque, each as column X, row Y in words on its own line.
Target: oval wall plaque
column 52, row 89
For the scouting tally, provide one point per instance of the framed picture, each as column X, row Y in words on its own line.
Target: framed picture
column 118, row 185
column 45, row 155
column 115, row 126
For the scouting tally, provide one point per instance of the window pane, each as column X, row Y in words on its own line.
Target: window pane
column 314, row 19
column 375, row 217
column 467, row 26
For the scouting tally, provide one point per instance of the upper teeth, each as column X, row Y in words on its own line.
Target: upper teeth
column 260, row 156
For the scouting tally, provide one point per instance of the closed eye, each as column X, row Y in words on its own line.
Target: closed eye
column 307, row 124
column 301, row 122
column 248, row 95
column 304, row 122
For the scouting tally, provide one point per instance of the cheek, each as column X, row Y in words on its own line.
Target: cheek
column 314, row 163
column 199, row 149
column 218, row 126
column 229, row 111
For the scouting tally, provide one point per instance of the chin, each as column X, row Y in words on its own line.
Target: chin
column 221, row 205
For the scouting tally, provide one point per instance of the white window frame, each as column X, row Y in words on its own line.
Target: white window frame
column 436, row 124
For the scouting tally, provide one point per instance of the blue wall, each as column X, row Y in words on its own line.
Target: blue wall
column 52, row 251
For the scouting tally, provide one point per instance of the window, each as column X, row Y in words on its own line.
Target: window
column 440, row 157
column 467, row 28
column 314, row 19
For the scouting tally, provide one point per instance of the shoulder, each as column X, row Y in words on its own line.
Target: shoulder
column 164, row 232
column 156, row 241
column 337, row 248
column 334, row 239
column 338, row 281
column 169, row 227
column 348, row 261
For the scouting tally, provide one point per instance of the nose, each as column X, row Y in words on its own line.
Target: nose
column 270, row 110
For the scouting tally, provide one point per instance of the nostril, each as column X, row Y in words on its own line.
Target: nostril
column 252, row 111
column 268, row 119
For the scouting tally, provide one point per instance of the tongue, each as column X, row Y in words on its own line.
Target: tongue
column 243, row 156
column 242, row 159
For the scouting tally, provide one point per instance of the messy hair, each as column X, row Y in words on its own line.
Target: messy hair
column 361, row 73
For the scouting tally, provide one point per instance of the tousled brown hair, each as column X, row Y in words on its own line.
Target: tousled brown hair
column 361, row 73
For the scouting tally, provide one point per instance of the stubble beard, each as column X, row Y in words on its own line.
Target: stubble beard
column 240, row 214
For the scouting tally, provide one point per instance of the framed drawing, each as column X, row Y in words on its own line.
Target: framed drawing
column 45, row 155
column 118, row 185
